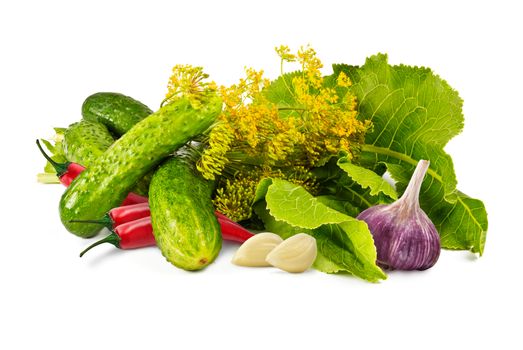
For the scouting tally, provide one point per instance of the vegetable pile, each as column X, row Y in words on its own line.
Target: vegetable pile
column 303, row 155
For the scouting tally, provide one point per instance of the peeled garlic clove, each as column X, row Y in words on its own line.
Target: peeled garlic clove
column 295, row 254
column 254, row 250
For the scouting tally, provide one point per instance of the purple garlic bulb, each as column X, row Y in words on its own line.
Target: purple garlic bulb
column 404, row 236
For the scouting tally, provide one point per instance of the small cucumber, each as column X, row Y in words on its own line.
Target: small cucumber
column 111, row 176
column 119, row 113
column 184, row 225
column 85, row 141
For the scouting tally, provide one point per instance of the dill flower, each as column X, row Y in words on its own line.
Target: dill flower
column 310, row 66
column 316, row 123
column 343, row 80
column 285, row 53
column 280, row 129
column 188, row 81
column 213, row 159
column 234, row 198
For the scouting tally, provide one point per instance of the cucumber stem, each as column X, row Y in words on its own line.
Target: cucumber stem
column 113, row 239
column 61, row 168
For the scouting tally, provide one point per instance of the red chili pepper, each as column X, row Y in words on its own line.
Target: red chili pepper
column 139, row 233
column 231, row 231
column 134, row 234
column 126, row 213
column 73, row 170
column 68, row 171
column 133, row 198
column 121, row 215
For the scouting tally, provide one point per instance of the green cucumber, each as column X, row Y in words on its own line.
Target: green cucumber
column 107, row 181
column 119, row 113
column 141, row 187
column 85, row 141
column 184, row 224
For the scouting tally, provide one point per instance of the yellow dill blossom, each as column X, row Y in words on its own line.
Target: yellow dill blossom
column 234, row 198
column 330, row 121
column 285, row 53
column 213, row 159
column 310, row 66
column 316, row 124
column 281, row 130
column 188, row 81
column 343, row 80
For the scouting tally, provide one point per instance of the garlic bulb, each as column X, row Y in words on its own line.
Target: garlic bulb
column 405, row 237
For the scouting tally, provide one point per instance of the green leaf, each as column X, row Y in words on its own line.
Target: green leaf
column 336, row 203
column 348, row 191
column 367, row 179
column 281, row 90
column 467, row 217
column 56, row 153
column 50, row 147
column 261, row 189
column 415, row 113
column 272, row 225
column 324, row 264
column 344, row 243
column 294, row 205
column 348, row 246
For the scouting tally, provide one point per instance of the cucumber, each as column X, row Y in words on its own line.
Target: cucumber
column 141, row 187
column 85, row 141
column 184, row 224
column 110, row 177
column 119, row 113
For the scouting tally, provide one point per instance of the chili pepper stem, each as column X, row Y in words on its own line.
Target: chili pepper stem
column 112, row 239
column 61, row 168
column 106, row 221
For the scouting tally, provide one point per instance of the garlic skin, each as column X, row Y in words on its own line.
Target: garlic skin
column 404, row 236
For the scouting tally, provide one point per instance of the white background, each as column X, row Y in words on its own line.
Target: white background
column 53, row 54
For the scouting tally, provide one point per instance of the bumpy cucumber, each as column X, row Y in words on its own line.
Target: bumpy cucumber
column 85, row 141
column 110, row 177
column 119, row 113
column 141, row 187
column 182, row 215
